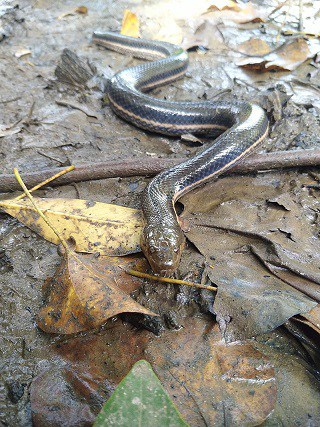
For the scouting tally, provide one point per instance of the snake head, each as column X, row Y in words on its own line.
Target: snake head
column 163, row 247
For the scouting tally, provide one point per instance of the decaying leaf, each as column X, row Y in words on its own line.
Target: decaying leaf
column 141, row 399
column 94, row 226
column 287, row 58
column 85, row 291
column 206, row 378
column 130, row 24
column 66, row 396
column 250, row 13
column 228, row 384
column 239, row 231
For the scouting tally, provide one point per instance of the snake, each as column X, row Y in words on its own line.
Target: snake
column 236, row 129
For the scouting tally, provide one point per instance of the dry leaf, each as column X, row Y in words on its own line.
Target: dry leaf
column 240, row 13
column 287, row 57
column 130, row 24
column 86, row 291
column 82, row 10
column 312, row 318
column 223, row 4
column 252, row 47
column 250, row 13
column 94, row 226
column 245, row 232
column 290, row 56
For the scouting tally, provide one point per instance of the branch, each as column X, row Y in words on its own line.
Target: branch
column 150, row 166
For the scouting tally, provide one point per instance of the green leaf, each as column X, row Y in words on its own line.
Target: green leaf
column 140, row 401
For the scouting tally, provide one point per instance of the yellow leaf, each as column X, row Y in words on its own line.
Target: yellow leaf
column 94, row 226
column 130, row 24
column 86, row 291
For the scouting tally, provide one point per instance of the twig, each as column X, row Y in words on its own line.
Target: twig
column 43, row 183
column 169, row 280
column 149, row 166
column 46, row 220
column 76, row 106
column 7, row 101
column 300, row 28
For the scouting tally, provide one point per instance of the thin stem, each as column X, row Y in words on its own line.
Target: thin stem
column 46, row 220
column 169, row 280
column 43, row 183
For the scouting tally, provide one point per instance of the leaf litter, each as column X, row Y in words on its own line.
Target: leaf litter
column 86, row 291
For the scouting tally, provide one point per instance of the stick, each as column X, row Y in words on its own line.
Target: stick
column 149, row 167
column 169, row 280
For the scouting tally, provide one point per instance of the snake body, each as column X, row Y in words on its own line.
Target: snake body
column 241, row 127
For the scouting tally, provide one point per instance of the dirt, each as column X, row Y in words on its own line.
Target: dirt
column 50, row 134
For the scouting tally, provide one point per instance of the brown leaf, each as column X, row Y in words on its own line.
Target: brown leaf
column 223, row 4
column 86, row 291
column 229, row 384
column 64, row 396
column 185, row 358
column 253, row 47
column 235, row 222
column 312, row 318
column 286, row 58
column 82, row 10
column 130, row 24
column 290, row 56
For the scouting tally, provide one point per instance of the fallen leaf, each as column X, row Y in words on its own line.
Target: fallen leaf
column 312, row 318
column 286, row 58
column 130, row 24
column 65, row 396
column 94, row 226
column 22, row 52
column 230, row 225
column 250, row 13
column 223, row 4
column 205, row 377
column 227, row 384
column 85, row 291
column 240, row 13
column 254, row 46
column 290, row 56
column 140, row 398
column 82, row 10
